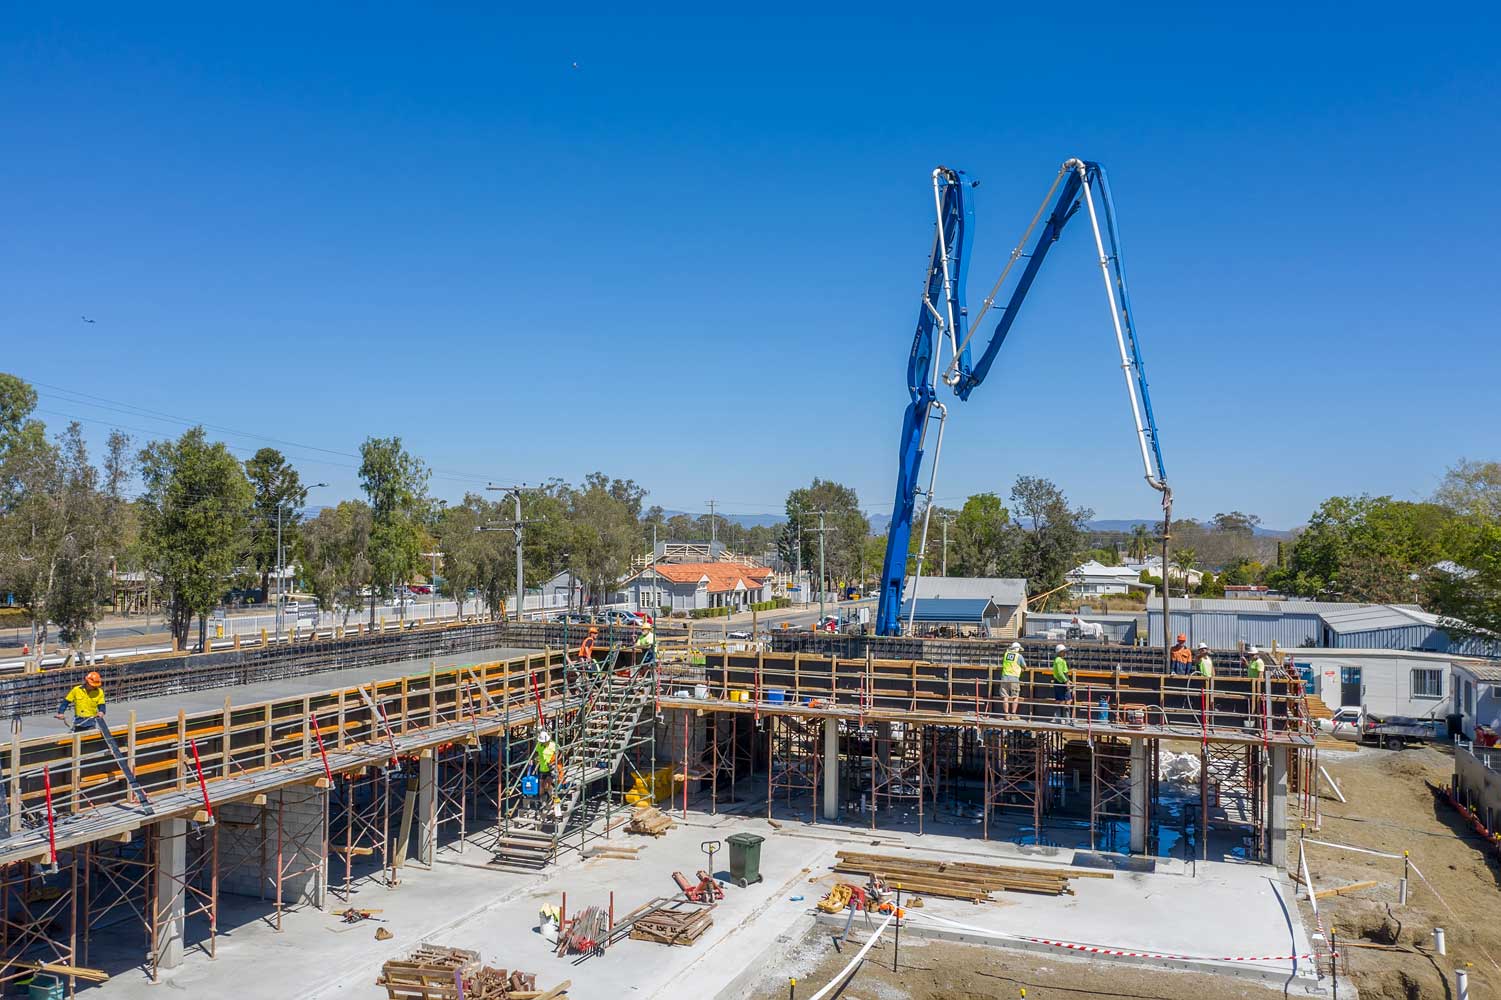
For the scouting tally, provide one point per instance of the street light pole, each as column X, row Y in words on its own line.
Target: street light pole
column 432, row 583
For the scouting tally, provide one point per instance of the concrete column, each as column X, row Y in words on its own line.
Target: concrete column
column 427, row 807
column 1276, row 819
column 171, row 837
column 831, row 768
column 1141, row 769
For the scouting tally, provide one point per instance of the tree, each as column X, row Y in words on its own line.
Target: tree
column 17, row 400
column 279, row 497
column 395, row 483
column 196, row 510
column 334, row 555
column 1185, row 559
column 603, row 516
column 847, row 527
column 982, row 534
column 1472, row 489
column 1052, row 535
column 1236, row 523
column 1141, row 541
column 35, row 523
column 88, row 547
column 1364, row 548
column 1470, row 600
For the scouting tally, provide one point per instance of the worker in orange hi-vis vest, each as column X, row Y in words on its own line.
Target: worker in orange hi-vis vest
column 586, row 648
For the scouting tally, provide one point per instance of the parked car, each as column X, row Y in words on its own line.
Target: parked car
column 614, row 616
column 421, row 588
column 1344, row 724
column 572, row 618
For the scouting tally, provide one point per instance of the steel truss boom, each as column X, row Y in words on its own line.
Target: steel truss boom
column 1079, row 183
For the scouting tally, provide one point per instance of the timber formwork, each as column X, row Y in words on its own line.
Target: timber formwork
column 100, row 837
column 921, row 740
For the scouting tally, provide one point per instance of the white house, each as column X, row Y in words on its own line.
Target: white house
column 1094, row 577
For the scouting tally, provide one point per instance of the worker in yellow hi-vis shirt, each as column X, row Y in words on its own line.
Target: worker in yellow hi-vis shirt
column 86, row 700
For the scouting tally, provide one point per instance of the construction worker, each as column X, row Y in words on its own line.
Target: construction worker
column 646, row 645
column 1183, row 657
column 1204, row 664
column 1012, row 665
column 1251, row 660
column 1062, row 684
column 86, row 700
column 546, row 757
column 586, row 648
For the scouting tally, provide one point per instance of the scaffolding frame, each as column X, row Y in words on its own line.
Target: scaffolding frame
column 363, row 828
column 452, row 766
column 1110, row 781
column 118, row 885
column 794, row 762
column 1020, row 767
column 897, row 770
column 201, row 853
column 38, row 924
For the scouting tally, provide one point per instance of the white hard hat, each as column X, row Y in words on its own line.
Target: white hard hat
column 1255, row 649
column 543, row 736
column 1203, row 645
column 1015, row 646
column 1061, row 647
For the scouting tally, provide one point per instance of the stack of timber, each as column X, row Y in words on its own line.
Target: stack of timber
column 650, row 820
column 433, row 972
column 669, row 921
column 960, row 880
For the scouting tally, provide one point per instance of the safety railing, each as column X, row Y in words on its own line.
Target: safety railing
column 1239, row 708
column 65, row 777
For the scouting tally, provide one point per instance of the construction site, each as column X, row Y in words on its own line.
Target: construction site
column 384, row 781
column 505, row 809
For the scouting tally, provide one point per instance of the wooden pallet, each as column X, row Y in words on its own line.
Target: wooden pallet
column 669, row 921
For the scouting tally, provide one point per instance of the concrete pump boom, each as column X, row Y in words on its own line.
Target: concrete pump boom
column 940, row 321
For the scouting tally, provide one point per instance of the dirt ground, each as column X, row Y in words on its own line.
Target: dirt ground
column 943, row 970
column 1388, row 950
column 1391, row 808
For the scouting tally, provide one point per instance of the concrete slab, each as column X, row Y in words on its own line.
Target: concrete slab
column 165, row 707
column 1209, row 910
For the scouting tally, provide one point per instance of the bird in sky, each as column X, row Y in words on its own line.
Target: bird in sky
column 85, row 319
column 575, row 65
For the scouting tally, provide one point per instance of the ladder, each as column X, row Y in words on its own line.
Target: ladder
column 592, row 745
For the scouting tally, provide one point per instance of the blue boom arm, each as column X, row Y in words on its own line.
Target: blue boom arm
column 949, row 238
column 1073, row 188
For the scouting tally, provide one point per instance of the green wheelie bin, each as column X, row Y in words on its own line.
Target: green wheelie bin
column 745, row 858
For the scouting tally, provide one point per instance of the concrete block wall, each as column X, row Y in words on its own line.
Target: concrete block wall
column 670, row 737
column 247, row 845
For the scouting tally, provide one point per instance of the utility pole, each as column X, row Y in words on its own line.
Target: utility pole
column 432, row 583
column 798, row 575
column 514, row 492
column 281, row 618
column 713, row 528
column 821, row 531
column 943, row 563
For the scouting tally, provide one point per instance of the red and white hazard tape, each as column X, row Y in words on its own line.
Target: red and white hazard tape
column 1093, row 950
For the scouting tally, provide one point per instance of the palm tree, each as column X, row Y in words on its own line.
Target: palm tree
column 1140, row 539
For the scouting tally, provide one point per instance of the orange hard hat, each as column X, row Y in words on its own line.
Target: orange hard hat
column 1182, row 637
column 93, row 679
column 593, row 630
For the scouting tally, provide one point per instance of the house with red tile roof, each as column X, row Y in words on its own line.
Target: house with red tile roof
column 687, row 586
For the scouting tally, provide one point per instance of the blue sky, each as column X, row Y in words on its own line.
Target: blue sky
column 695, row 259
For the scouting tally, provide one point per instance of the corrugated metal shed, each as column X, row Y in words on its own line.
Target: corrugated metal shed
column 1224, row 629
column 966, row 611
column 1118, row 628
column 1004, row 591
